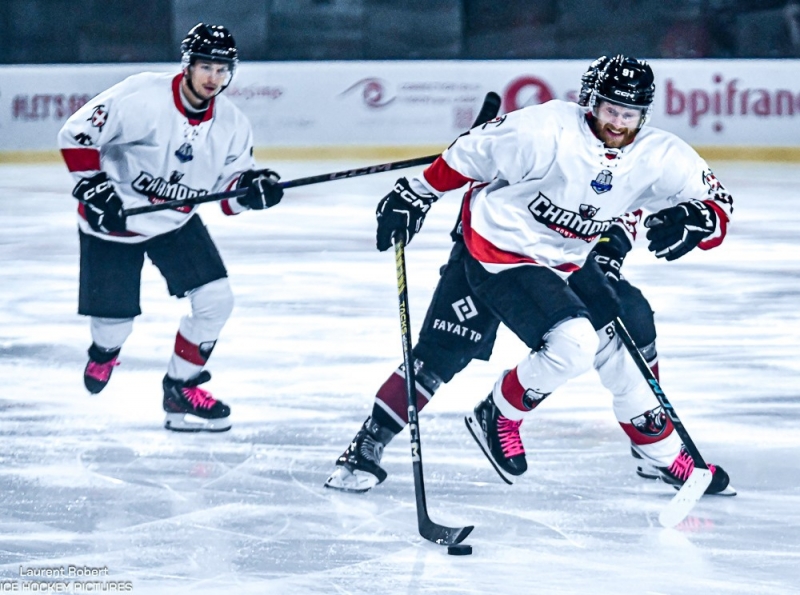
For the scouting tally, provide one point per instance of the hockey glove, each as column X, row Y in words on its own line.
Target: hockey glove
column 596, row 291
column 102, row 206
column 589, row 80
column 677, row 230
column 401, row 212
column 263, row 189
column 609, row 252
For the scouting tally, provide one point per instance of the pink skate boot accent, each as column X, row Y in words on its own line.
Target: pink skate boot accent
column 98, row 369
column 199, row 398
column 101, row 372
column 508, row 435
column 683, row 465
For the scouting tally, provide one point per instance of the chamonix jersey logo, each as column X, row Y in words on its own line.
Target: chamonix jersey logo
column 569, row 224
column 158, row 190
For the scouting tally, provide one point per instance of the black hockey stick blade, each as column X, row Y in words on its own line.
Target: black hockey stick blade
column 489, row 110
column 441, row 535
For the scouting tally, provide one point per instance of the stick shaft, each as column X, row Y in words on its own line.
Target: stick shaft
column 411, row 392
column 318, row 179
column 489, row 109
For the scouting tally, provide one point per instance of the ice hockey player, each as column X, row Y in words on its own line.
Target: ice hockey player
column 554, row 200
column 153, row 138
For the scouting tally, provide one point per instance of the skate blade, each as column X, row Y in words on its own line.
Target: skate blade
column 686, row 498
column 344, row 480
column 477, row 433
column 648, row 473
column 651, row 473
column 186, row 422
column 728, row 491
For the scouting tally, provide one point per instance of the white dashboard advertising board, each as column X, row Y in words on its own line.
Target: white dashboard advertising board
column 744, row 104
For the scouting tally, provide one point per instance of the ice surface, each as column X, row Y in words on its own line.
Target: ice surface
column 95, row 481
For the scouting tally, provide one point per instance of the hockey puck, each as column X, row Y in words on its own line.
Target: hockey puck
column 462, row 549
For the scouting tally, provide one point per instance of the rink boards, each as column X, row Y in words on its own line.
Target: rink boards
column 728, row 109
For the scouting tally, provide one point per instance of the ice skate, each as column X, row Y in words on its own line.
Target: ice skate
column 192, row 409
column 98, row 369
column 358, row 469
column 680, row 470
column 499, row 439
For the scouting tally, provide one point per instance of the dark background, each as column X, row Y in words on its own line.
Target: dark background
column 66, row 31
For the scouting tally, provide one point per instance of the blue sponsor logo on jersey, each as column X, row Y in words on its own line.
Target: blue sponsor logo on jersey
column 184, row 153
column 602, row 183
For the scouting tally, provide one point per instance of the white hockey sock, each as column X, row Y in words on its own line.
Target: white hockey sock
column 110, row 333
column 636, row 408
column 198, row 332
column 568, row 351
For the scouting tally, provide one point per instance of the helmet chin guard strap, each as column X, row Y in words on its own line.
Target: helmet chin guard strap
column 193, row 91
column 203, row 102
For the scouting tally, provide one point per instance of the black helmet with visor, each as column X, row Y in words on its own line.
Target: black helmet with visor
column 627, row 82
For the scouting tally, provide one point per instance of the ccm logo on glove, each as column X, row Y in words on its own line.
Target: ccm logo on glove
column 677, row 230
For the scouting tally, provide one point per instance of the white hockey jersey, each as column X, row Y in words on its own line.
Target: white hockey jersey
column 544, row 186
column 138, row 132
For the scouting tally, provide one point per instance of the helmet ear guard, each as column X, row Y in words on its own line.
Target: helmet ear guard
column 627, row 82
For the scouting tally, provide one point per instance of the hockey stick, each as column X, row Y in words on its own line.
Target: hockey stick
column 431, row 531
column 695, row 486
column 489, row 109
column 427, row 528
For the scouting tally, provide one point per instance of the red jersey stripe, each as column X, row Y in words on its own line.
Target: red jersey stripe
column 483, row 250
column 78, row 160
column 442, row 177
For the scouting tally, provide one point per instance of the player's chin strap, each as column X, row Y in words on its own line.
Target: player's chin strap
column 203, row 102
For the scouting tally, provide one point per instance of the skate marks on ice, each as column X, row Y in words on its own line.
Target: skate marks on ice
column 95, row 480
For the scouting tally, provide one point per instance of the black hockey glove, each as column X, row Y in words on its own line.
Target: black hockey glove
column 589, row 80
column 103, row 208
column 609, row 252
column 596, row 291
column 402, row 212
column 677, row 230
column 263, row 189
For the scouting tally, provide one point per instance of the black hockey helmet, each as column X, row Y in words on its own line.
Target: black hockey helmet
column 628, row 82
column 209, row 42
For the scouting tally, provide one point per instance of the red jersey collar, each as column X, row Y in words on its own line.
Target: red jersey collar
column 176, row 95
